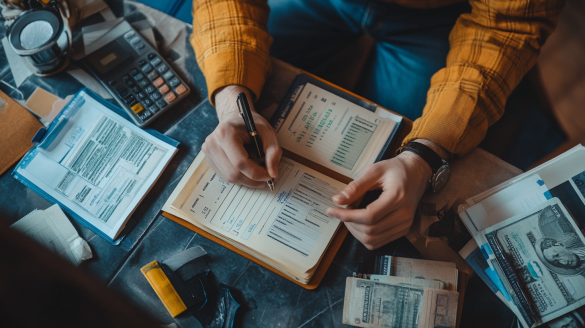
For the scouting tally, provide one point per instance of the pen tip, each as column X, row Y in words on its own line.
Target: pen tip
column 271, row 188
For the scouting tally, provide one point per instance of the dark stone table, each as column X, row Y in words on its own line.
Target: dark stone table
column 267, row 299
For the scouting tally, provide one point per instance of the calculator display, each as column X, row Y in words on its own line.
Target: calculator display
column 109, row 57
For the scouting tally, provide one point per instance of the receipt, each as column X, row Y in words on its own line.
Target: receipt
column 52, row 229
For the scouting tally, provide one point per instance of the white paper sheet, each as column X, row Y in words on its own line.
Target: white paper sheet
column 52, row 229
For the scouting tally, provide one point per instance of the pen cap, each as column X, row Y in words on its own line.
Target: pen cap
column 246, row 112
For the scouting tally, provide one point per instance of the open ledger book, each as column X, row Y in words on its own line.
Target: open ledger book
column 335, row 139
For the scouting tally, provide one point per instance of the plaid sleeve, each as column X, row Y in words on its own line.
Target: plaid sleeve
column 491, row 49
column 232, row 43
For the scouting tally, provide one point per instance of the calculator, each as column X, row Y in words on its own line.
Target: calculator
column 136, row 75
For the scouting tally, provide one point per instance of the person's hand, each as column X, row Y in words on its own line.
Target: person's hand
column 224, row 147
column 403, row 181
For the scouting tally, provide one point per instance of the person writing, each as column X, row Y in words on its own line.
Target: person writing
column 448, row 65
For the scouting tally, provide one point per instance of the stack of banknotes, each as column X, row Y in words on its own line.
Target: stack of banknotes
column 528, row 243
column 394, row 292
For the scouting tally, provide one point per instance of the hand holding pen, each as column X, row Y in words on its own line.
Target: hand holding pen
column 246, row 113
column 224, row 147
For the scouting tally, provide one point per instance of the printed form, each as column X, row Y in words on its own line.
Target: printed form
column 288, row 225
column 99, row 165
column 334, row 132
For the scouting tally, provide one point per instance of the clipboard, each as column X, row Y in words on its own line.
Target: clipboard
column 45, row 136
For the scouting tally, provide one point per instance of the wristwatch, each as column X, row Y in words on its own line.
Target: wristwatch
column 440, row 167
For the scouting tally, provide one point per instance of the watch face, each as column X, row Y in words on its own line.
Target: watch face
column 441, row 177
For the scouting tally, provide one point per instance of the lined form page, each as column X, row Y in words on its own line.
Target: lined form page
column 288, row 225
column 334, row 132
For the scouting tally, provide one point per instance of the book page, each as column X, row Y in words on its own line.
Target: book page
column 288, row 225
column 97, row 164
column 334, row 132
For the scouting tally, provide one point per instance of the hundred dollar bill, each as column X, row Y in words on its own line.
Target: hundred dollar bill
column 540, row 256
column 372, row 304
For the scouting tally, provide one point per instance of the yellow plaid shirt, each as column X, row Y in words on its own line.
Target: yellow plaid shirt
column 491, row 49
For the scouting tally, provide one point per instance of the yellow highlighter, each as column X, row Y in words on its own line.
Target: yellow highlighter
column 163, row 288
column 180, row 280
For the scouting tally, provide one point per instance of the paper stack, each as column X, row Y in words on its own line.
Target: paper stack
column 403, row 293
column 528, row 245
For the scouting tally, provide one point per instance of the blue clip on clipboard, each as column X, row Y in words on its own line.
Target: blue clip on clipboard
column 44, row 139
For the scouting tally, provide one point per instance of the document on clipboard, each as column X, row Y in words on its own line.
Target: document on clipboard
column 96, row 164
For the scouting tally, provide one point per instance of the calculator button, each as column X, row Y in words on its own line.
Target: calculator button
column 174, row 82
column 162, row 68
column 120, row 88
column 139, row 76
column 130, row 83
column 147, row 102
column 168, row 75
column 112, row 82
column 155, row 96
column 129, row 34
column 164, row 89
column 153, row 109
column 150, row 89
column 135, row 40
column 156, row 61
column 125, row 78
column 180, row 90
column 151, row 55
column 161, row 104
column 170, row 97
column 143, row 83
column 140, row 46
column 135, row 89
column 123, row 93
column 133, row 72
column 145, row 115
column 141, row 95
column 142, row 63
column 130, row 100
column 146, row 68
column 137, row 108
column 158, row 82
column 153, row 75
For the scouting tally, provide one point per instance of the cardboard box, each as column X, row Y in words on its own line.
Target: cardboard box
column 17, row 128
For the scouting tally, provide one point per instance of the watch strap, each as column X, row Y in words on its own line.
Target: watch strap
column 426, row 153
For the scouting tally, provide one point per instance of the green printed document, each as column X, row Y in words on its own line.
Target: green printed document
column 335, row 129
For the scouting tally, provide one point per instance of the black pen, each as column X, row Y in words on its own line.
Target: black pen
column 246, row 113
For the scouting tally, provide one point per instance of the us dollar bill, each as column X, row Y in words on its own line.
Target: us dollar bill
column 372, row 304
column 408, row 282
column 540, row 257
column 444, row 272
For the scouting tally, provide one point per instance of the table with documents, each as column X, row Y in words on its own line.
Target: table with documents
column 268, row 300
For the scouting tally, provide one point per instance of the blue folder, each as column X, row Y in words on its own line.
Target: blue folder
column 45, row 136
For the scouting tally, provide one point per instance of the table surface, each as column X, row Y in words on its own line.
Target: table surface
column 267, row 299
